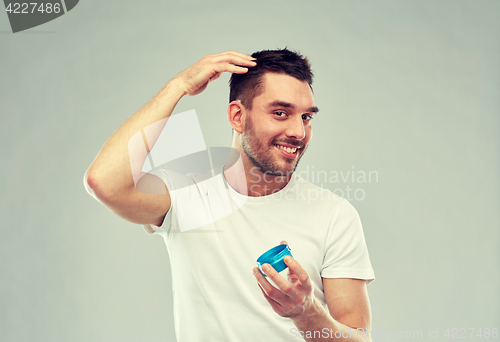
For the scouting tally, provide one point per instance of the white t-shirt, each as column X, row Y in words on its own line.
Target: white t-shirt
column 214, row 236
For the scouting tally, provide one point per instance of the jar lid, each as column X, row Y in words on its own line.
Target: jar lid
column 275, row 257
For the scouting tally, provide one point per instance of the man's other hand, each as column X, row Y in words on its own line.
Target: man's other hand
column 292, row 298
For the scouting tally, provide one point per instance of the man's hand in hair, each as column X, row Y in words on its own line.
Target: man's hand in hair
column 195, row 79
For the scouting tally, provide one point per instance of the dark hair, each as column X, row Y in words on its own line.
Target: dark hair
column 245, row 87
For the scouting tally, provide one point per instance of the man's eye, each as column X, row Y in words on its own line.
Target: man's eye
column 280, row 114
column 306, row 117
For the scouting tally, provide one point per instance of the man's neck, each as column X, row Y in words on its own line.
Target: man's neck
column 248, row 180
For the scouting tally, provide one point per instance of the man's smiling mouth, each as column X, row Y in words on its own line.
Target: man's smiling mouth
column 287, row 149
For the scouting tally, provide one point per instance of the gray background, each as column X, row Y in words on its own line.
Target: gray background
column 409, row 89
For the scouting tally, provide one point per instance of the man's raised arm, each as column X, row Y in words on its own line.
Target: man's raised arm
column 115, row 175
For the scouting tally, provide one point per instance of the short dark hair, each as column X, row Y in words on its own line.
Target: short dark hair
column 245, row 87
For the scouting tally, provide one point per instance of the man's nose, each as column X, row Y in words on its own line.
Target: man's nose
column 296, row 128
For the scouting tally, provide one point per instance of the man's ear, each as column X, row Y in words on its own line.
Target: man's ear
column 235, row 115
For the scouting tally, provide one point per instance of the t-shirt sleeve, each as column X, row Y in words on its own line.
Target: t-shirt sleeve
column 167, row 221
column 346, row 254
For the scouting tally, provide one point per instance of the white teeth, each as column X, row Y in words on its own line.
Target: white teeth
column 288, row 149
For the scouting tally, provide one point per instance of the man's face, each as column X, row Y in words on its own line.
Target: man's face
column 278, row 127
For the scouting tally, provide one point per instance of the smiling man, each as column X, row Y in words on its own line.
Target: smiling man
column 322, row 296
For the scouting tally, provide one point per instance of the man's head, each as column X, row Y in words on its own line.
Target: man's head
column 271, row 111
column 245, row 87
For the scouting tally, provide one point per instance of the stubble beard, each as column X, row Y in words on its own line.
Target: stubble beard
column 262, row 158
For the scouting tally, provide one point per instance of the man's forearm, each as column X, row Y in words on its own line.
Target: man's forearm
column 117, row 166
column 318, row 325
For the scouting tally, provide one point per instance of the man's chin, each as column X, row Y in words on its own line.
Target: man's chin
column 276, row 166
column 284, row 171
column 275, row 172
column 279, row 173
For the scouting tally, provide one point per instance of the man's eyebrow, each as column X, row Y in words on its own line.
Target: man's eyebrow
column 312, row 110
column 281, row 104
column 290, row 105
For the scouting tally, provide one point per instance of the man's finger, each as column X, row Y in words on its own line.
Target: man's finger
column 283, row 285
column 270, row 290
column 298, row 271
column 236, row 53
column 235, row 59
column 274, row 304
column 292, row 278
column 231, row 68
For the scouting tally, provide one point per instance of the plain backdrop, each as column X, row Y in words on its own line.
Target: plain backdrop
column 407, row 89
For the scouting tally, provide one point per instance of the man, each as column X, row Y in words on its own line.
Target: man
column 216, row 297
